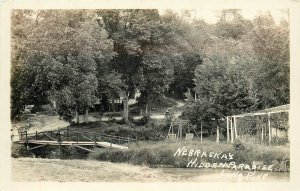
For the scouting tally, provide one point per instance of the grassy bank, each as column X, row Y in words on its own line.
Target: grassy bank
column 34, row 169
column 153, row 150
column 155, row 154
column 153, row 130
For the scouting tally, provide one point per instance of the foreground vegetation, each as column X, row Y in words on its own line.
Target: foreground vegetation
column 153, row 150
column 157, row 154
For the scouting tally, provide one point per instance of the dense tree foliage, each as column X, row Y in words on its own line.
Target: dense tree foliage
column 245, row 68
column 146, row 44
column 60, row 52
column 76, row 57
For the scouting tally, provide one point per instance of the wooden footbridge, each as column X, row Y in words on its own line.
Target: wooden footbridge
column 81, row 139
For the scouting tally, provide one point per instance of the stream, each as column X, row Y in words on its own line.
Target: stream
column 224, row 175
column 214, row 175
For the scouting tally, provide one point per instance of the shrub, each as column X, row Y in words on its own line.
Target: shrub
column 112, row 114
column 18, row 150
column 121, row 122
column 143, row 121
column 162, row 153
column 238, row 145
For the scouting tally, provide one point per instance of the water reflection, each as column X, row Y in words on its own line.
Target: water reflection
column 224, row 175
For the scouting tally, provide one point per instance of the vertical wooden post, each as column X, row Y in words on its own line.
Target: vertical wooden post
column 227, row 120
column 86, row 116
column 269, row 126
column 68, row 133
column 26, row 140
column 59, row 143
column 262, row 132
column 181, row 132
column 178, row 134
column 36, row 134
column 218, row 137
column 235, row 129
column 77, row 116
column 128, row 141
column 231, row 129
column 201, row 133
column 278, row 124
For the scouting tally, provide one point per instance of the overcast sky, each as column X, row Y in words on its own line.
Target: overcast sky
column 211, row 16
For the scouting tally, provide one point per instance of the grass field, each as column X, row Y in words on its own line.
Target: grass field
column 161, row 153
column 35, row 169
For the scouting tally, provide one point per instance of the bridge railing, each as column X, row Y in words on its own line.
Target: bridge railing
column 67, row 134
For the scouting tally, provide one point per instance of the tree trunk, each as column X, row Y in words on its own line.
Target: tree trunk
column 113, row 106
column 218, row 136
column 54, row 104
column 100, row 112
column 146, row 109
column 86, row 116
column 77, row 117
column 125, row 104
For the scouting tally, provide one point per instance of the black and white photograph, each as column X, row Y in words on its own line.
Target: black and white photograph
column 150, row 95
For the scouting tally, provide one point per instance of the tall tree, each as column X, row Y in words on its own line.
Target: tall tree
column 139, row 37
column 155, row 78
column 231, row 24
column 271, row 64
column 221, row 84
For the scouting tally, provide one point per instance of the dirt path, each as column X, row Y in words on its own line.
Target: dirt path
column 39, row 122
column 46, row 123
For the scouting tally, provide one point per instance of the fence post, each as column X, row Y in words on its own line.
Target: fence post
column 201, row 133
column 235, row 128
column 128, row 141
column 227, row 128
column 26, row 140
column 231, row 129
column 59, row 143
column 36, row 134
column 270, row 129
